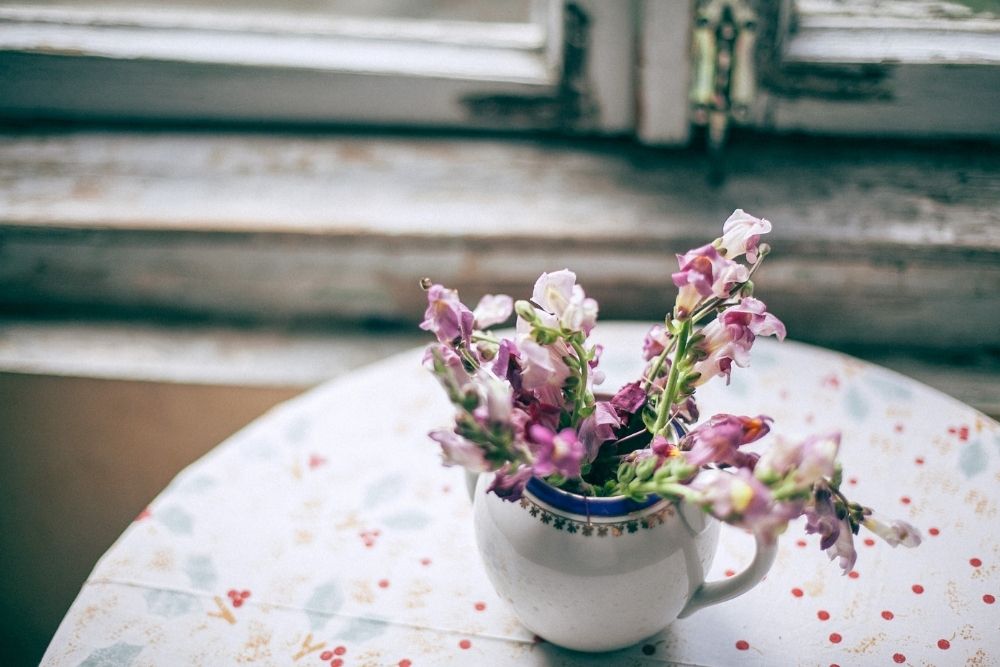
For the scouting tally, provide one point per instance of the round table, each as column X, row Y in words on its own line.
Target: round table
column 327, row 533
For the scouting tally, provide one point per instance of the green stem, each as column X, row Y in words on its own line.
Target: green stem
column 671, row 490
column 581, row 395
column 485, row 337
column 651, row 378
column 669, row 394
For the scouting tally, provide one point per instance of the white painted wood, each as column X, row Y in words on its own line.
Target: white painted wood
column 611, row 61
column 527, row 36
column 358, row 55
column 663, row 72
column 196, row 66
column 873, row 242
column 909, row 69
column 193, row 354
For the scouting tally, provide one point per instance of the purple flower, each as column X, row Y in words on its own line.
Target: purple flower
column 733, row 497
column 655, row 342
column 553, row 291
column 809, row 461
column 629, row 399
column 598, row 428
column 554, row 452
column 543, row 370
column 895, row 533
column 496, row 398
column 506, row 365
column 445, row 363
column 728, row 339
column 741, row 234
column 704, row 273
column 718, row 439
column 558, row 294
column 509, row 481
column 819, row 459
column 687, row 411
column 742, row 500
column 663, row 447
column 457, row 451
column 821, row 519
column 843, row 548
column 447, row 317
column 492, row 309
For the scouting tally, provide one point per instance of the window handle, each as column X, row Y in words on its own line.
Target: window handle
column 724, row 80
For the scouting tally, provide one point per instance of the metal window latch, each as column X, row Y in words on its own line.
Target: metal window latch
column 724, row 77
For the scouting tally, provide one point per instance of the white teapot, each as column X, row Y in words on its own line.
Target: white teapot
column 598, row 574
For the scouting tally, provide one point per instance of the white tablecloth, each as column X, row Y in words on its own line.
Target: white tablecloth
column 327, row 533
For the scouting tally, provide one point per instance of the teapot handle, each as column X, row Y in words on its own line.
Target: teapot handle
column 471, row 478
column 714, row 592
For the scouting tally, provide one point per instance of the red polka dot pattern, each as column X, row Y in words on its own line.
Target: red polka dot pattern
column 465, row 644
column 917, row 588
column 835, row 638
column 898, row 658
column 823, row 615
column 944, row 644
column 742, row 645
column 888, row 615
column 975, row 562
column 989, row 599
column 797, row 592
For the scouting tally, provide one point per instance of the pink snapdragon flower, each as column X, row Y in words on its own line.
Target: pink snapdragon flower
column 843, row 548
column 894, row 533
column 728, row 338
column 742, row 500
column 557, row 293
column 543, row 370
column 718, row 440
column 447, row 317
column 509, row 481
column 704, row 273
column 822, row 520
column 809, row 461
column 655, row 342
column 452, row 373
column 741, row 235
column 496, row 398
column 598, row 428
column 560, row 452
column 492, row 309
column 457, row 451
column 629, row 399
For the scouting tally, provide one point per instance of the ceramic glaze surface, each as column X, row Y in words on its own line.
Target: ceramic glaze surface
column 593, row 591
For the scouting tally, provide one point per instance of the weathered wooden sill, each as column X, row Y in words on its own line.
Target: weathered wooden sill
column 875, row 244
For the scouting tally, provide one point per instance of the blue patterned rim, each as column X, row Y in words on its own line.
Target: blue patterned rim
column 589, row 506
column 585, row 505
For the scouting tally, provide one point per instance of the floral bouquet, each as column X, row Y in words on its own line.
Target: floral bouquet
column 526, row 406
